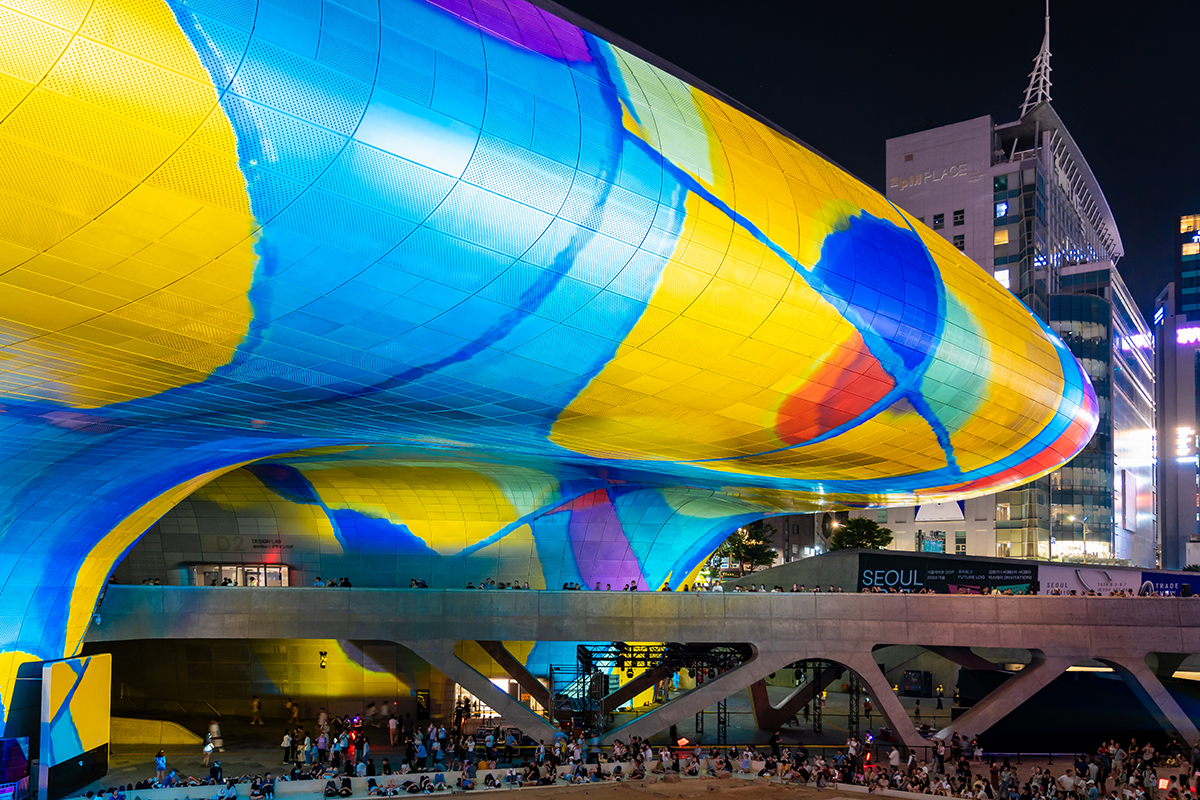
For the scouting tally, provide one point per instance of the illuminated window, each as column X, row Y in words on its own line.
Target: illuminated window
column 1003, row 512
column 881, row 516
column 1001, row 276
column 939, row 221
column 1000, row 236
column 1189, row 223
column 960, row 542
column 960, row 241
column 1191, row 248
column 960, row 217
column 1001, row 209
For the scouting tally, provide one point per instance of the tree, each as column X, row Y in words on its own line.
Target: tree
column 747, row 549
column 860, row 532
column 1192, row 568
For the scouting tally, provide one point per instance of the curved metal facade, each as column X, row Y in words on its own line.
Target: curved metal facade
column 465, row 231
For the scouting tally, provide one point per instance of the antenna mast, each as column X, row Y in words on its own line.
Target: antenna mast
column 1039, row 79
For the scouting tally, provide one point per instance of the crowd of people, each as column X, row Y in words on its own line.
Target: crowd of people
column 951, row 768
column 1112, row 772
column 717, row 586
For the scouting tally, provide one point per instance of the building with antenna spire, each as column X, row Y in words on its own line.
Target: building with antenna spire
column 1021, row 201
column 1038, row 91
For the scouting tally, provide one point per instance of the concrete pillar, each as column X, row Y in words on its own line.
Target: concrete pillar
column 1155, row 697
column 689, row 704
column 863, row 664
column 1007, row 696
column 441, row 655
column 770, row 718
column 1165, row 664
column 516, row 670
column 634, row 687
column 964, row 657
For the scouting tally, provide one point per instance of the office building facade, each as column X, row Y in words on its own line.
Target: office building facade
column 1021, row 201
column 1177, row 361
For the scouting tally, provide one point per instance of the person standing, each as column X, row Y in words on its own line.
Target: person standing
column 940, row 695
column 286, row 744
column 214, row 732
column 160, row 766
column 393, row 730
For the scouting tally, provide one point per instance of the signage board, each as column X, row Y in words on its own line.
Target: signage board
column 942, row 575
column 1082, row 579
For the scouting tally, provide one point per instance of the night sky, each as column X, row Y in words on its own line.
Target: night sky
column 846, row 76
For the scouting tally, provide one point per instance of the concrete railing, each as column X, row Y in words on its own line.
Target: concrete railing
column 781, row 628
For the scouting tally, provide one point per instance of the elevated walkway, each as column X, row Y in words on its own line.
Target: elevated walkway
column 781, row 628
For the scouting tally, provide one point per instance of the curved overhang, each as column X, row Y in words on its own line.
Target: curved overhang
column 627, row 306
column 1097, row 211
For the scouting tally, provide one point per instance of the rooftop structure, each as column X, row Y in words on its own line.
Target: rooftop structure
column 461, row 288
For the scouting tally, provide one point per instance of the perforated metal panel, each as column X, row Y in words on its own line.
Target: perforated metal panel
column 539, row 280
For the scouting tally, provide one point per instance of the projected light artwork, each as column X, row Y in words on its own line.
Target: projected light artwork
column 461, row 282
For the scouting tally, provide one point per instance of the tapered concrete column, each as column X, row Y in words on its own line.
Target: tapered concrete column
column 863, row 664
column 516, row 670
column 700, row 698
column 1155, row 697
column 1002, row 700
column 1165, row 664
column 769, row 718
column 441, row 656
column 964, row 657
column 633, row 688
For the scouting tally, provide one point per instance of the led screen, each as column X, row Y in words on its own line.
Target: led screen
column 76, row 709
column 237, row 231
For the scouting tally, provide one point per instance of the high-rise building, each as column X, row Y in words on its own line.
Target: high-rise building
column 1187, row 268
column 1021, row 201
column 1177, row 363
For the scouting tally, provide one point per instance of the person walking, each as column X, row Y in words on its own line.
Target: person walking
column 255, row 711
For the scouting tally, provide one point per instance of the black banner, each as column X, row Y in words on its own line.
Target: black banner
column 954, row 575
